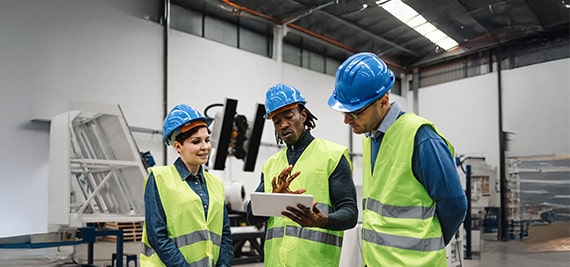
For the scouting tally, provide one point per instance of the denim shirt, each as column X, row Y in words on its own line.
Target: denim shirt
column 156, row 220
column 434, row 168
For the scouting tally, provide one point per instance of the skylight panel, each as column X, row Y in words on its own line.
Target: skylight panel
column 414, row 20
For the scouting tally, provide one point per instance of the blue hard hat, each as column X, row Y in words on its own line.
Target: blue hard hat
column 281, row 95
column 360, row 80
column 180, row 115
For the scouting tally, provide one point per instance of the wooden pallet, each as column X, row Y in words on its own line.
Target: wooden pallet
column 132, row 231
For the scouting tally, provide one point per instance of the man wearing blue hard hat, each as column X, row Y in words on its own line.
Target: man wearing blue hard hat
column 186, row 221
column 413, row 201
column 305, row 236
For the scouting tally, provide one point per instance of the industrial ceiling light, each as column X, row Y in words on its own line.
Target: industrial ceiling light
column 410, row 17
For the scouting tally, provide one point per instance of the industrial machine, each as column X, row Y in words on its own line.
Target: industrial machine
column 233, row 135
column 96, row 175
column 96, row 171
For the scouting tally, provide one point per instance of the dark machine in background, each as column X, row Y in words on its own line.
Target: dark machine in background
column 234, row 135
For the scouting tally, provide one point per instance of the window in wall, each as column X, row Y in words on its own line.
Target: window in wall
column 397, row 87
column 483, row 62
column 313, row 61
column 468, row 66
column 443, row 73
column 291, row 54
column 185, row 20
column 331, row 65
column 254, row 42
column 221, row 31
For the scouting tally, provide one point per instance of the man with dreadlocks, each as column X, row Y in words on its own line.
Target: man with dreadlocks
column 304, row 236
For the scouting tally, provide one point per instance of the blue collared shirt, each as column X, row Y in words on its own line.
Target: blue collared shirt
column 155, row 220
column 434, row 167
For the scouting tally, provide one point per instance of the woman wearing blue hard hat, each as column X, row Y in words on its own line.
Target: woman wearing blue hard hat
column 304, row 236
column 413, row 199
column 186, row 222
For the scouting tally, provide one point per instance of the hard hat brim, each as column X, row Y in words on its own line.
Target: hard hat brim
column 338, row 106
column 279, row 110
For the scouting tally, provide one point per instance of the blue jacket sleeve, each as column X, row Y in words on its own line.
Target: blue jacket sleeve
column 155, row 220
column 434, row 167
column 227, row 247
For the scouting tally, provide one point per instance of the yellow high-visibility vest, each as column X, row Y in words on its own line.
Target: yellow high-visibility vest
column 288, row 244
column 400, row 226
column 197, row 238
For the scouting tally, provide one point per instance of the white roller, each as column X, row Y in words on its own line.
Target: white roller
column 235, row 195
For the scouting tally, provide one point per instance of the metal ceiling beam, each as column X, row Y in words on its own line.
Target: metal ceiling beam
column 358, row 28
column 309, row 12
column 374, row 36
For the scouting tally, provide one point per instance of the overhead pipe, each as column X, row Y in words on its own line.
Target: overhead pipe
column 309, row 12
column 314, row 34
column 293, row 26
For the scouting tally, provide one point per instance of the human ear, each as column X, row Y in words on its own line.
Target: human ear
column 385, row 100
column 177, row 146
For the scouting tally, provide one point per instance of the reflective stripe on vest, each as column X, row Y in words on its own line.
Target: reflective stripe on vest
column 188, row 239
column 396, row 241
column 304, row 233
column 204, row 262
column 410, row 212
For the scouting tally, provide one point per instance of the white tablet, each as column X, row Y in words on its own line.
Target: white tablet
column 271, row 204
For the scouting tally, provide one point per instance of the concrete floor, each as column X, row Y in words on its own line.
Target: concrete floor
column 522, row 254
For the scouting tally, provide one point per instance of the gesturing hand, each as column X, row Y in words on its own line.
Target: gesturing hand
column 281, row 183
column 306, row 217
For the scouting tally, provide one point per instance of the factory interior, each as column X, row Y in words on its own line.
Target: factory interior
column 87, row 86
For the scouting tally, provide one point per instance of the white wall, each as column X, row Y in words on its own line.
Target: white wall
column 466, row 112
column 536, row 106
column 52, row 54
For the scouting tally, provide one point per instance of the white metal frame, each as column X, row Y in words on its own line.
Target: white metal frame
column 96, row 172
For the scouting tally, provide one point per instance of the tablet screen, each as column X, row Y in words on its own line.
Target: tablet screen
column 271, row 204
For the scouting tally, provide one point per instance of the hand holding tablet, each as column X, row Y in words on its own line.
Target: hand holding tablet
column 272, row 204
